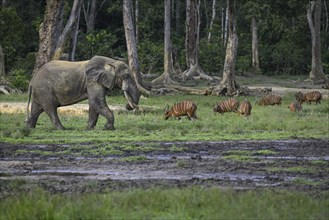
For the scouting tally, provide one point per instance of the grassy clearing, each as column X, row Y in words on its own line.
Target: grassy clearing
column 307, row 168
column 273, row 122
column 155, row 203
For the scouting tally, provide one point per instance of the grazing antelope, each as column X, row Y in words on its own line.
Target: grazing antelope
column 184, row 108
column 314, row 96
column 295, row 106
column 227, row 105
column 245, row 108
column 270, row 100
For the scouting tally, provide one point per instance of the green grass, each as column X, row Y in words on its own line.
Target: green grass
column 273, row 122
column 299, row 169
column 265, row 152
column 156, row 203
column 302, row 181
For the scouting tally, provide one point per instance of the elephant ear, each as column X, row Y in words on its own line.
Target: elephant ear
column 98, row 70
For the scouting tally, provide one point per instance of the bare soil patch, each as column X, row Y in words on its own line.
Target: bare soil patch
column 287, row 164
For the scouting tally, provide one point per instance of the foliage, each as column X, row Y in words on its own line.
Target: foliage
column 151, row 56
column 174, row 203
column 19, row 79
column 97, row 43
column 11, row 34
column 212, row 56
column 284, row 36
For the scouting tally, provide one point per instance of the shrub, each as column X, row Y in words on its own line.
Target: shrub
column 19, row 79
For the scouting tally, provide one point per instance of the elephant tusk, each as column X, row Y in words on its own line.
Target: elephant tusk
column 131, row 103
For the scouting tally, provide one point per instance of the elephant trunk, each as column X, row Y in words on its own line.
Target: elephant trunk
column 131, row 103
column 131, row 94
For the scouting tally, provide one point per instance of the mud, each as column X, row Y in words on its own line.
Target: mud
column 287, row 164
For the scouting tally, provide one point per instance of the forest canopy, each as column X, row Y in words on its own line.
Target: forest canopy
column 284, row 38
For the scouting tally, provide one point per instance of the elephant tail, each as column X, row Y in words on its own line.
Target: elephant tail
column 28, row 103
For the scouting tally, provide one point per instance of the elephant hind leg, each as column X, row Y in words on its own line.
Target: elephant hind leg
column 36, row 110
column 93, row 118
column 51, row 111
column 55, row 119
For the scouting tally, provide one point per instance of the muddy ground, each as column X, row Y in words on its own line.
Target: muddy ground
column 301, row 165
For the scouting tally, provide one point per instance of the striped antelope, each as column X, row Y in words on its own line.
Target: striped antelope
column 184, row 108
column 245, row 108
column 314, row 96
column 227, row 105
column 270, row 100
column 295, row 106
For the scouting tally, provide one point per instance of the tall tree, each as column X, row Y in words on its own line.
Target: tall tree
column 228, row 85
column 213, row 15
column 2, row 63
column 49, row 32
column 254, row 10
column 192, row 41
column 131, row 46
column 75, row 14
column 254, row 45
column 52, row 37
column 168, row 65
column 89, row 11
column 314, row 20
column 136, row 20
column 225, row 25
column 74, row 36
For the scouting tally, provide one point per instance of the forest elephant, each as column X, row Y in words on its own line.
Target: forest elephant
column 60, row 83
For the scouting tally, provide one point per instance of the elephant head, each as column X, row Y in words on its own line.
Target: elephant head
column 114, row 73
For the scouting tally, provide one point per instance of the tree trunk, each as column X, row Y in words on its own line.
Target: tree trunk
column 228, row 86
column 191, row 32
column 2, row 63
column 136, row 20
column 131, row 46
column 75, row 12
column 192, row 41
column 223, row 25
column 74, row 37
column 177, row 16
column 175, row 52
column 327, row 17
column 168, row 65
column 254, row 46
column 49, row 32
column 314, row 11
column 226, row 26
column 212, row 18
column 91, row 16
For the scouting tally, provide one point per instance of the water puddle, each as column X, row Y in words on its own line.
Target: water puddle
column 168, row 157
column 326, row 158
column 210, row 157
column 95, row 174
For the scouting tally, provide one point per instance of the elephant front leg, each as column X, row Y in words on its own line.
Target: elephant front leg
column 97, row 105
column 104, row 111
column 108, row 114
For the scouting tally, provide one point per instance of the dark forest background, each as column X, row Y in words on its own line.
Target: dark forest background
column 283, row 35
